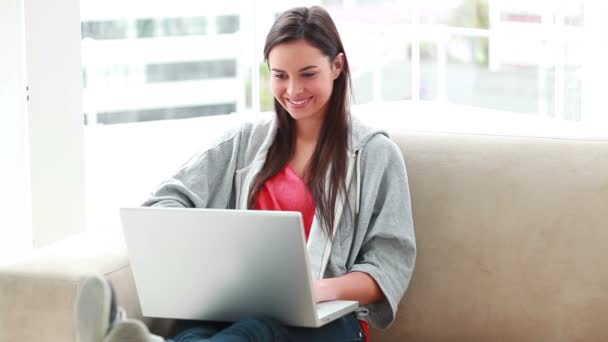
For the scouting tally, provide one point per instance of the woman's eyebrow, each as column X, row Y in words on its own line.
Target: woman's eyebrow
column 303, row 69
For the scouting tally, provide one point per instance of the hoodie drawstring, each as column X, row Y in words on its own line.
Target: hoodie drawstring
column 358, row 185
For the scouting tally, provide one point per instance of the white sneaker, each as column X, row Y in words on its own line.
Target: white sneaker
column 94, row 311
column 131, row 330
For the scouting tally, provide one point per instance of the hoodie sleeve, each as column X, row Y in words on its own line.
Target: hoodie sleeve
column 205, row 181
column 388, row 251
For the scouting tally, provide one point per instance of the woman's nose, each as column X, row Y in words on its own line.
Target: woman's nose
column 294, row 88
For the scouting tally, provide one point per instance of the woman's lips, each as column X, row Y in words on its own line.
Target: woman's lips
column 298, row 102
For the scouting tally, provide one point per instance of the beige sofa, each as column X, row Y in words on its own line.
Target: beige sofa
column 512, row 237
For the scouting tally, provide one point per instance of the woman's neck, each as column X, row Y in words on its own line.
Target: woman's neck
column 307, row 136
column 308, row 130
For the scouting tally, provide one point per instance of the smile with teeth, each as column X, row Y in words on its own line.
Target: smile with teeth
column 298, row 102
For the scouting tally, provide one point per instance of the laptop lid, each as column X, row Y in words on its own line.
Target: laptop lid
column 221, row 265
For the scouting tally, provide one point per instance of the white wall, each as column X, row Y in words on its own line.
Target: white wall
column 52, row 34
column 15, row 225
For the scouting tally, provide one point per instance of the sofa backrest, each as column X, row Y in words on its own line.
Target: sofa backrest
column 512, row 237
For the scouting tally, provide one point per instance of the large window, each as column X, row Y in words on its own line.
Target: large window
column 155, row 75
column 516, row 56
column 147, row 66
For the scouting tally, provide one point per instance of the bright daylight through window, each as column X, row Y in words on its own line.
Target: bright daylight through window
column 148, row 64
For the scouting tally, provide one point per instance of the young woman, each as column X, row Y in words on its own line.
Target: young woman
column 348, row 181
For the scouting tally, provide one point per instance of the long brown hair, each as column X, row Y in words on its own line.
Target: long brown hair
column 315, row 26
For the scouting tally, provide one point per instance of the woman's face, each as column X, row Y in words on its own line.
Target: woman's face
column 302, row 78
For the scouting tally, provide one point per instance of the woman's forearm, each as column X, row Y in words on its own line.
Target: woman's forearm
column 357, row 286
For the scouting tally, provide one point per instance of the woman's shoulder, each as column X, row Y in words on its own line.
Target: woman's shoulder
column 256, row 130
column 256, row 124
column 378, row 141
column 366, row 135
column 380, row 150
column 237, row 127
column 232, row 132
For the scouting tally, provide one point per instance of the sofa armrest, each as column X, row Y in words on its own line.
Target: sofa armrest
column 37, row 295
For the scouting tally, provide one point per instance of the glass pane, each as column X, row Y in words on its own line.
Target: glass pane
column 521, row 14
column 228, row 24
column 396, row 80
column 363, row 87
column 470, row 13
column 572, row 93
column 395, row 67
column 134, row 62
column 160, row 27
column 428, row 70
column 574, row 13
column 190, row 71
column 153, row 75
column 164, row 113
column 458, row 13
column 106, row 29
column 573, row 79
column 510, row 85
column 569, row 13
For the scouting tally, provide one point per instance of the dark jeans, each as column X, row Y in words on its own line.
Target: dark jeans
column 346, row 328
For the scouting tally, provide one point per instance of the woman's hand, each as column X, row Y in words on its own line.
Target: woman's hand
column 323, row 291
column 357, row 286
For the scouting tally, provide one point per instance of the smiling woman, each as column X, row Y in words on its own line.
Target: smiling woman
column 302, row 78
column 310, row 83
column 311, row 157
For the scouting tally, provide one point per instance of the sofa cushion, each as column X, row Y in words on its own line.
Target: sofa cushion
column 511, row 236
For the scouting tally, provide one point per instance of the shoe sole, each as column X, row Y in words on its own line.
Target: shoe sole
column 93, row 309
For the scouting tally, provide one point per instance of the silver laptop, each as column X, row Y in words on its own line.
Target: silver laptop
column 224, row 265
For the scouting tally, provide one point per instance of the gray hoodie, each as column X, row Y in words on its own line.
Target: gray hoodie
column 374, row 233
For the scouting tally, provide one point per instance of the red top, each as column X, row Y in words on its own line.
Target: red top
column 286, row 191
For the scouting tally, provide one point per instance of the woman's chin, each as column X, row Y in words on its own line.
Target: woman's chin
column 300, row 115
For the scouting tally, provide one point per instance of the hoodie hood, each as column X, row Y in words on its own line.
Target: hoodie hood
column 319, row 244
column 361, row 133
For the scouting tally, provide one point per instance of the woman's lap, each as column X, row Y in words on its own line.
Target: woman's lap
column 346, row 328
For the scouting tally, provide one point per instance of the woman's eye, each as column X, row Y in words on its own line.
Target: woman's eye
column 280, row 76
column 308, row 74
